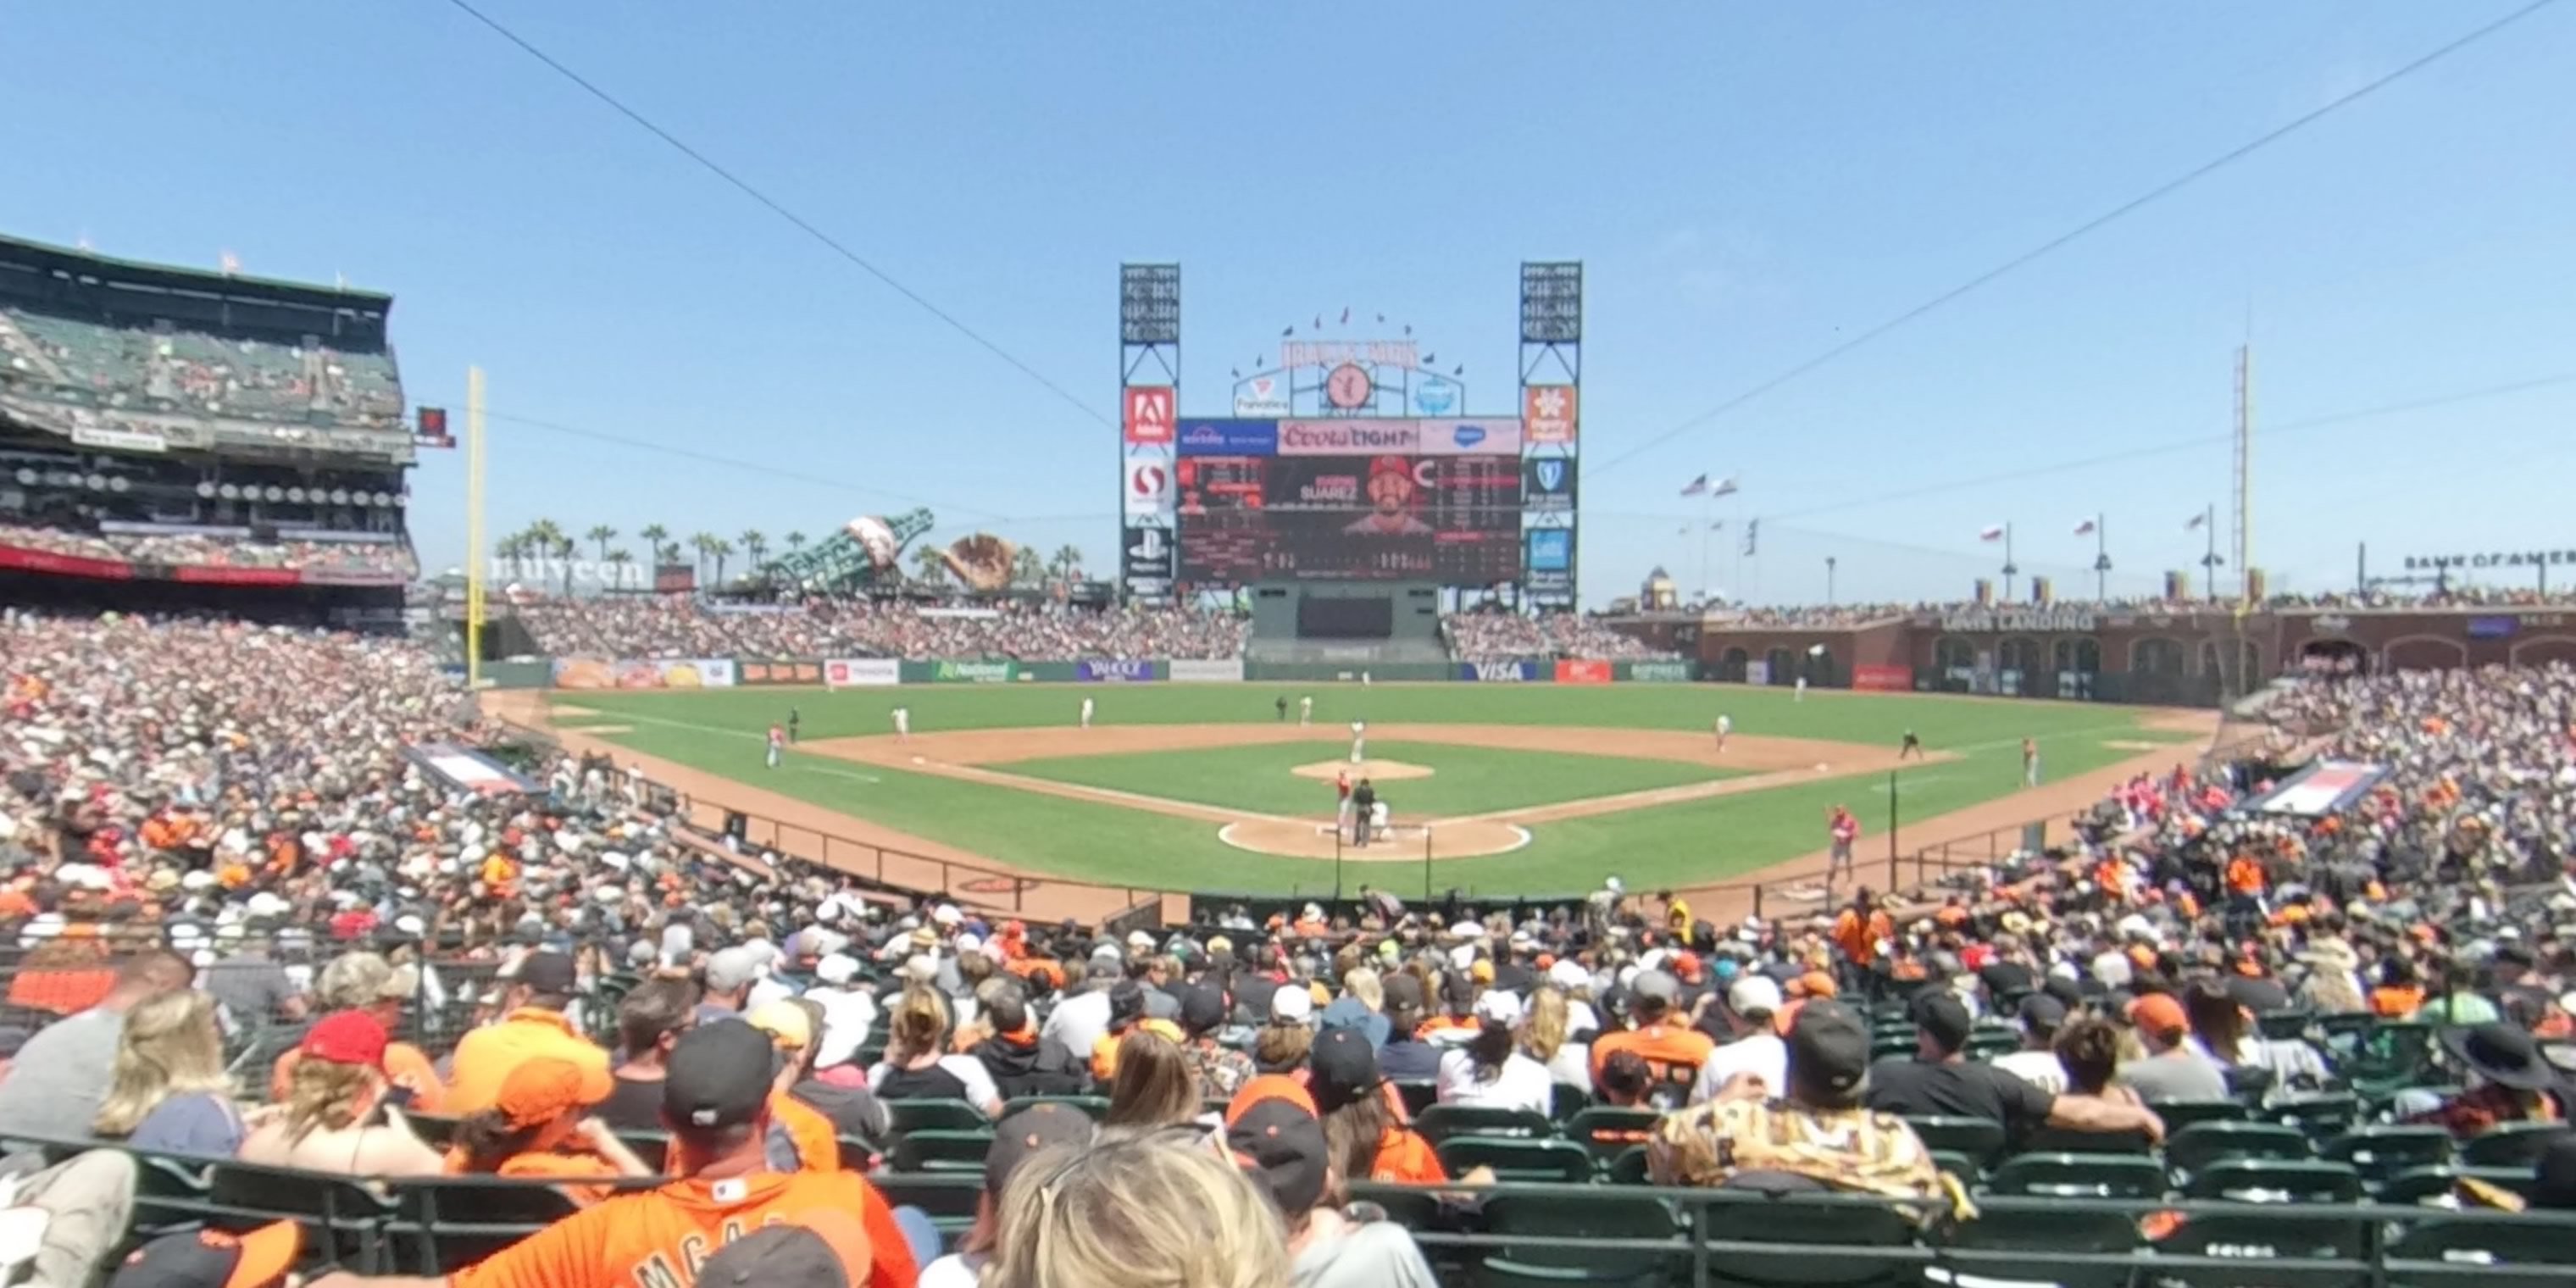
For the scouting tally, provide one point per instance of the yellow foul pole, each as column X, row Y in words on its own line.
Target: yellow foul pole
column 474, row 553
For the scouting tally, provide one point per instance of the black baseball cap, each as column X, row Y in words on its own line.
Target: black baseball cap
column 1126, row 1001
column 1344, row 1068
column 1403, row 993
column 547, row 972
column 1282, row 1145
column 1940, row 1014
column 1037, row 1127
column 1202, row 1008
column 1828, row 1047
column 214, row 1259
column 718, row 1076
column 2042, row 1014
column 821, row 1249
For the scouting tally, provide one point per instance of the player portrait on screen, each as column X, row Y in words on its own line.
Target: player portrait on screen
column 1391, row 492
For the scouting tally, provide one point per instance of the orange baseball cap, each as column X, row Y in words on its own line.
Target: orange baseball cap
column 2159, row 1013
column 1816, row 983
column 1269, row 1086
column 541, row 1089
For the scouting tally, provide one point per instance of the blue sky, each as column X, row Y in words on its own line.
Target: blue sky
column 1747, row 184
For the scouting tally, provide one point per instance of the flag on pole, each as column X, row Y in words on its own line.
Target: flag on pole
column 1717, row 525
column 230, row 263
column 2198, row 521
column 1697, row 487
column 1724, row 487
column 1991, row 532
column 2085, row 529
column 1681, row 532
column 1752, row 536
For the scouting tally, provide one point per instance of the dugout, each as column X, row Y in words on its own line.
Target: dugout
column 1356, row 622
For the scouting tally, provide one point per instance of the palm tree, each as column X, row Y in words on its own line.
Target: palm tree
column 705, row 544
column 617, row 560
column 927, row 567
column 546, row 540
column 655, row 535
column 1067, row 562
column 720, row 548
column 755, row 543
column 794, row 540
column 507, row 551
column 1027, row 569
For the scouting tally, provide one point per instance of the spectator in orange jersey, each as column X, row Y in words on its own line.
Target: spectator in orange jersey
column 1363, row 1121
column 1861, row 928
column 541, row 1129
column 1673, row 1051
column 534, row 1024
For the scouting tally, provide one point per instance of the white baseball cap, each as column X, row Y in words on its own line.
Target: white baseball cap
column 1292, row 1004
column 1499, row 1006
column 1751, row 993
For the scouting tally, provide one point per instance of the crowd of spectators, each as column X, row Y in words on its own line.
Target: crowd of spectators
column 1840, row 616
column 126, row 367
column 218, row 829
column 1501, row 636
column 667, row 626
column 202, row 550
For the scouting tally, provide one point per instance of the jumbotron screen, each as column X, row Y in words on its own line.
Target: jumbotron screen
column 1389, row 516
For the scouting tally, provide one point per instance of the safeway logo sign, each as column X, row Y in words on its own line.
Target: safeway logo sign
column 1150, row 414
column 1149, row 486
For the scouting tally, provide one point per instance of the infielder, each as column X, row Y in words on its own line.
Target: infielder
column 2029, row 762
column 1801, row 694
column 1086, row 713
column 1305, row 711
column 1725, row 726
column 903, row 724
column 1359, row 741
column 777, row 739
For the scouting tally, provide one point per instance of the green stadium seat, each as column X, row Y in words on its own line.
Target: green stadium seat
column 949, row 1198
column 939, row 1150
column 1988, row 1042
column 1629, row 1168
column 934, row 1115
column 2025, row 1242
column 1811, row 1244
column 2088, row 1176
column 1548, row 1223
column 1957, row 1163
column 1609, row 1130
column 2252, row 1242
column 2320, row 1115
column 444, row 1225
column 1096, row 1106
column 1516, row 1159
column 2510, row 1144
column 342, row 1218
column 2179, row 1114
column 2272, row 1180
column 2493, row 1250
column 1565, row 1100
column 1409, row 1206
column 1418, row 1094
column 1981, row 1140
column 2200, row 1145
column 2388, row 1055
column 1443, row 1122
column 2380, row 1154
column 2288, row 1024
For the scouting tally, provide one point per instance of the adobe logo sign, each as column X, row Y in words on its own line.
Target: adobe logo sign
column 1150, row 414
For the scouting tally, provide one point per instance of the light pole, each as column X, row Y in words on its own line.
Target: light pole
column 1829, row 581
column 2010, row 569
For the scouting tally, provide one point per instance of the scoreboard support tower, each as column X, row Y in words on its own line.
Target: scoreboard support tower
column 1149, row 387
column 1551, row 370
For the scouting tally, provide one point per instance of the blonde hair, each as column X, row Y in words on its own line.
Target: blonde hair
column 1279, row 1048
column 1155, row 1086
column 920, row 1024
column 322, row 1093
column 170, row 1047
column 1362, row 983
column 1544, row 1031
column 1135, row 1208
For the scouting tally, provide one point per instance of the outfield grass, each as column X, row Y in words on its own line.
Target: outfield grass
column 720, row 731
column 1465, row 780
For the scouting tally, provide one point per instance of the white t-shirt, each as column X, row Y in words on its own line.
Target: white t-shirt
column 980, row 1091
column 2038, row 1068
column 848, row 1014
column 1572, row 1065
column 956, row 1270
column 1762, row 1054
column 1522, row 1083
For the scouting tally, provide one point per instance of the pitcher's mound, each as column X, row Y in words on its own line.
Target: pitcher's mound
column 1315, row 839
column 1384, row 771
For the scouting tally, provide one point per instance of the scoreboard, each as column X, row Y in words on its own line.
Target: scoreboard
column 1348, row 500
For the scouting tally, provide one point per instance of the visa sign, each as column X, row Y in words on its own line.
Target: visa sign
column 1500, row 672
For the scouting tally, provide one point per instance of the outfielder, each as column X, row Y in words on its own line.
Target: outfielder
column 1305, row 711
column 1801, row 694
column 1359, row 741
column 1725, row 726
column 903, row 724
column 1086, row 713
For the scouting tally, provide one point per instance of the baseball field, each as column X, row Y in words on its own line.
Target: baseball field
column 1508, row 789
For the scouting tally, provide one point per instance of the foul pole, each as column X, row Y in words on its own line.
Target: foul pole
column 474, row 527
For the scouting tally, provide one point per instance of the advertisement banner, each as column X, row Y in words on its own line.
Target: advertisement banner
column 1151, row 410
column 974, row 672
column 1261, row 396
column 1883, row 679
column 1659, row 672
column 1435, row 395
column 1757, row 672
column 1349, row 437
column 1145, row 561
column 1149, row 485
column 758, row 671
column 1548, row 413
column 1188, row 670
column 862, row 672
column 1547, row 484
column 643, row 673
column 118, row 440
column 1582, row 671
column 1549, row 562
column 27, row 559
column 1113, row 670
column 1499, row 672
column 1229, row 438
column 1470, row 437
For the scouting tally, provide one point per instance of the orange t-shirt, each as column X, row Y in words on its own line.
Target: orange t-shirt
column 818, row 1147
column 662, row 1237
column 1671, row 1054
column 405, row 1066
column 2244, row 876
column 1405, row 1158
column 547, row 1166
column 1858, row 936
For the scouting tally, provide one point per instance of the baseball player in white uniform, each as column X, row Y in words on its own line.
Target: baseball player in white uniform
column 903, row 724
column 1801, row 694
column 1359, row 741
column 1086, row 713
column 1725, row 726
column 1305, row 711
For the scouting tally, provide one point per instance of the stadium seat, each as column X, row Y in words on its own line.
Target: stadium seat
column 2318, row 1115
column 2484, row 1252
column 1443, row 1122
column 1516, row 1160
column 2198, row 1146
column 1565, row 1100
column 2179, row 1114
column 1961, row 1164
column 2251, row 1243
column 1416, row 1209
column 2027, row 1242
column 2088, row 1176
column 2380, row 1154
column 1418, row 1094
column 2510, row 1144
column 444, row 1225
column 1987, row 1042
column 1548, row 1222
column 2272, row 1180
column 1980, row 1140
column 2388, row 1055
column 1629, row 1167
column 941, row 1150
column 2056, row 1140
column 948, row 1198
column 1609, row 1130
column 2286, row 1024
column 934, row 1115
column 1809, row 1244
column 1096, row 1106
column 342, row 1218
